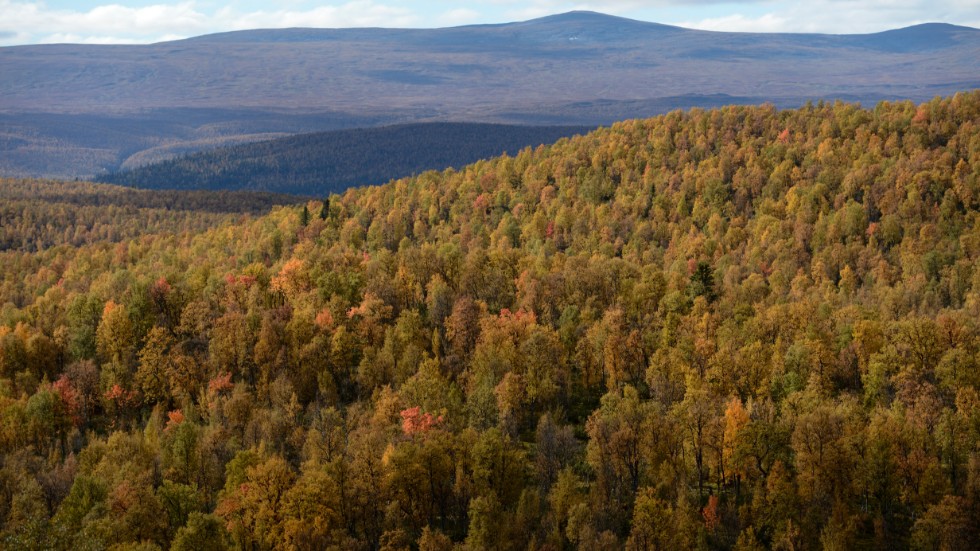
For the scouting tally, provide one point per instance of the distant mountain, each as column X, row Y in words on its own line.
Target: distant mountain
column 320, row 163
column 72, row 109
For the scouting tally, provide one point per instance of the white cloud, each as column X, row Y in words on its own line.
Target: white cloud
column 615, row 5
column 70, row 38
column 112, row 23
column 843, row 16
column 351, row 14
column 768, row 23
column 154, row 19
column 460, row 16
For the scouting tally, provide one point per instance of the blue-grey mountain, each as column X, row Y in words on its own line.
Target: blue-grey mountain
column 79, row 109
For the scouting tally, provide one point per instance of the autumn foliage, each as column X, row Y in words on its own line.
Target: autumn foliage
column 731, row 329
column 414, row 421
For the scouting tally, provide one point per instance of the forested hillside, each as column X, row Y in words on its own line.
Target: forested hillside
column 325, row 162
column 739, row 328
column 37, row 214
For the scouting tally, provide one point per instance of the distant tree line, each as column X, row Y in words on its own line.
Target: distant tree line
column 36, row 214
column 321, row 163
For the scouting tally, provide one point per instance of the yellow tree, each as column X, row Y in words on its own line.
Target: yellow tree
column 114, row 336
column 155, row 364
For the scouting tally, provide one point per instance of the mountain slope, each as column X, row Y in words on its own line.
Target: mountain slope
column 321, row 163
column 509, row 65
column 576, row 68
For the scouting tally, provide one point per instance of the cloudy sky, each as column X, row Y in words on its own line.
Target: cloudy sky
column 142, row 21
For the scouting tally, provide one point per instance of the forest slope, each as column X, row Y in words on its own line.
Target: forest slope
column 330, row 162
column 742, row 327
column 37, row 214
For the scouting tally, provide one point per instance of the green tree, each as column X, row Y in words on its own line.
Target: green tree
column 203, row 532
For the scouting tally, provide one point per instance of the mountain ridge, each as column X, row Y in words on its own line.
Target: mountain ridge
column 574, row 16
column 579, row 68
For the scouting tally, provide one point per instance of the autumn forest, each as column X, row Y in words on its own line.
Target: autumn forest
column 740, row 328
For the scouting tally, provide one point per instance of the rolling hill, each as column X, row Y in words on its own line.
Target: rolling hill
column 76, row 110
column 325, row 162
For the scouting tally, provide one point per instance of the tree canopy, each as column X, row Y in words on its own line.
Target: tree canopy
column 730, row 329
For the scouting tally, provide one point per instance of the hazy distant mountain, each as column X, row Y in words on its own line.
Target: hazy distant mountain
column 323, row 162
column 102, row 104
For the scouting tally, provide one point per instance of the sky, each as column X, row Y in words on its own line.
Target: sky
column 146, row 21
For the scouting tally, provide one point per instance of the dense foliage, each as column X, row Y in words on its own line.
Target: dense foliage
column 37, row 214
column 325, row 162
column 740, row 328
